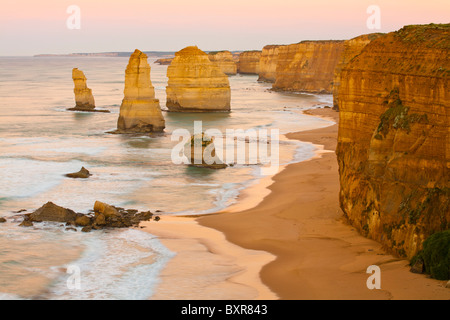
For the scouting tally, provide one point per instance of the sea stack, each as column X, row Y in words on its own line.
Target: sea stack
column 196, row 84
column 224, row 60
column 84, row 100
column 140, row 112
column 393, row 143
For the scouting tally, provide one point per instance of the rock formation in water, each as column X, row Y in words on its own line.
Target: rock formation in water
column 164, row 61
column 308, row 66
column 82, row 174
column 201, row 152
column 84, row 100
column 103, row 216
column 140, row 112
column 249, row 62
column 224, row 60
column 268, row 63
column 394, row 143
column 352, row 48
column 195, row 84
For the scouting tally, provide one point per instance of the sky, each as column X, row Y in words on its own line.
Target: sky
column 29, row 27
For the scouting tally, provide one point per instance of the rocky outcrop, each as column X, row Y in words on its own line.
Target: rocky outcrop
column 84, row 100
column 195, row 84
column 308, row 66
column 82, row 174
column 352, row 48
column 140, row 112
column 201, row 152
column 223, row 60
column 103, row 216
column 52, row 212
column 268, row 63
column 249, row 62
column 394, row 144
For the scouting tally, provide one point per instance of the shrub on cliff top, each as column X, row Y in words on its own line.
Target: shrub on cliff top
column 436, row 255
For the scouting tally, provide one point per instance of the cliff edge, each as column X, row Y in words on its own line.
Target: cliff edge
column 393, row 145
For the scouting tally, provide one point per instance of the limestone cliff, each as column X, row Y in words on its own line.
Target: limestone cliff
column 249, row 62
column 394, row 144
column 352, row 48
column 84, row 100
column 268, row 63
column 196, row 84
column 308, row 66
column 223, row 60
column 140, row 112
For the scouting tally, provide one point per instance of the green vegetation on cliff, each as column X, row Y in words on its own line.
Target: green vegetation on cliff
column 436, row 255
column 396, row 116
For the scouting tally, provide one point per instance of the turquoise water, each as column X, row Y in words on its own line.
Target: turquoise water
column 40, row 142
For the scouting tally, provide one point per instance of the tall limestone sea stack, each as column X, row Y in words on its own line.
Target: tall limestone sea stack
column 84, row 100
column 140, row 112
column 224, row 60
column 394, row 144
column 308, row 66
column 196, row 84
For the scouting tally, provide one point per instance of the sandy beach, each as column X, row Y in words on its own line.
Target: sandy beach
column 287, row 239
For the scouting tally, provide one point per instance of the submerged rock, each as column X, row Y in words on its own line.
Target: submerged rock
column 82, row 174
column 26, row 223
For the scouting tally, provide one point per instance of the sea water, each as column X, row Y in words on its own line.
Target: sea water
column 40, row 142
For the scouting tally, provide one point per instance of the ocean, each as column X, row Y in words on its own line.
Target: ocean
column 40, row 141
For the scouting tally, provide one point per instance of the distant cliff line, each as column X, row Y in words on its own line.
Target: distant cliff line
column 106, row 54
column 117, row 54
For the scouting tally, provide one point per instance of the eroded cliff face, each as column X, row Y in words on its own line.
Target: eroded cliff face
column 352, row 48
column 268, row 63
column 224, row 60
column 308, row 66
column 196, row 84
column 249, row 62
column 140, row 112
column 394, row 145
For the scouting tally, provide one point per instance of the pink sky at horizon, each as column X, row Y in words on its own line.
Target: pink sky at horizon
column 33, row 27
